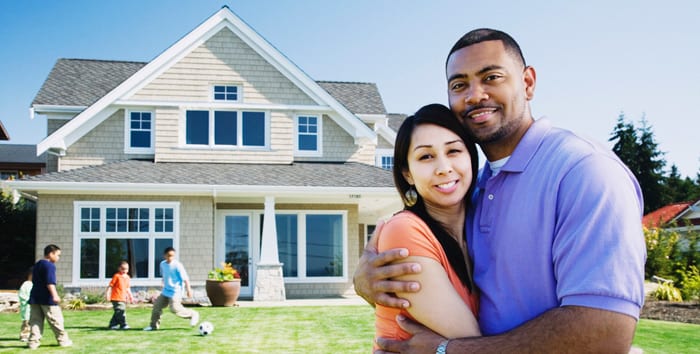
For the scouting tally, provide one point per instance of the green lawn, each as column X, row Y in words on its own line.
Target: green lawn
column 330, row 329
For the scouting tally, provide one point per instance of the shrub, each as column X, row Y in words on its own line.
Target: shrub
column 691, row 283
column 76, row 304
column 660, row 243
column 667, row 292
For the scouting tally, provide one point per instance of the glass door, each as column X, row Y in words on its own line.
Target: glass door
column 235, row 241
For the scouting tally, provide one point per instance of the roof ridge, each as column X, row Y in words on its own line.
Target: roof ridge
column 346, row 82
column 104, row 60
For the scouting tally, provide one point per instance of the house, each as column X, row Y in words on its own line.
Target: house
column 220, row 147
column 683, row 216
column 20, row 160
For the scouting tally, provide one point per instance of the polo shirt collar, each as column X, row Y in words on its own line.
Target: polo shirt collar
column 524, row 151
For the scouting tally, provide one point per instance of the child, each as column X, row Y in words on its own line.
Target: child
column 44, row 300
column 174, row 275
column 119, row 292
column 24, row 309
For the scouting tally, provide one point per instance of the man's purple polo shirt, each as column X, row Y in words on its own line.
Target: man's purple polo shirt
column 559, row 225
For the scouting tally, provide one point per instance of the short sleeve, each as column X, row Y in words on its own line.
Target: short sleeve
column 407, row 230
column 114, row 281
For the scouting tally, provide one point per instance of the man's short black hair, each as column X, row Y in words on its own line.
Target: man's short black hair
column 168, row 249
column 50, row 249
column 487, row 34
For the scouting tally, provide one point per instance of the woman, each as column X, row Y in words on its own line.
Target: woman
column 435, row 164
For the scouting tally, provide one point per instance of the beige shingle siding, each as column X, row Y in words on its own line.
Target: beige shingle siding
column 101, row 145
column 197, row 237
column 224, row 58
column 384, row 144
column 55, row 226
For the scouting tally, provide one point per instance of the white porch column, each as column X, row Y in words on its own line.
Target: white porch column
column 269, row 281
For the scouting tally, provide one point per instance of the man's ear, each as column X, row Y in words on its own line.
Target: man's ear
column 530, row 79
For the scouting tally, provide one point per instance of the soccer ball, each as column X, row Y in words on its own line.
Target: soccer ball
column 205, row 328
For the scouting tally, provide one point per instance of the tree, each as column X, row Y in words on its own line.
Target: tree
column 638, row 149
column 17, row 237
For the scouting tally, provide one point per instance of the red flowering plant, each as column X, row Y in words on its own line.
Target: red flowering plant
column 224, row 273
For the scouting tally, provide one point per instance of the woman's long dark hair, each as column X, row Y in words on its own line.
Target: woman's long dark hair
column 442, row 116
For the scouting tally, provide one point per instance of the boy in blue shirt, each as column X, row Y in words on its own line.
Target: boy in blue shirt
column 44, row 300
column 174, row 275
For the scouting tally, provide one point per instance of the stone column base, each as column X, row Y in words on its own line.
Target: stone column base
column 269, row 283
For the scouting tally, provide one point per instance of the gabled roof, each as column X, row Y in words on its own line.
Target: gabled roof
column 19, row 153
column 357, row 97
column 81, row 82
column 298, row 174
column 3, row 133
column 395, row 120
column 666, row 214
column 98, row 111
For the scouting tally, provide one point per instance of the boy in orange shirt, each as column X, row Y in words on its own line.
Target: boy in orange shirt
column 119, row 292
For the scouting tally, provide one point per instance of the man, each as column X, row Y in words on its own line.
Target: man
column 44, row 300
column 174, row 276
column 555, row 233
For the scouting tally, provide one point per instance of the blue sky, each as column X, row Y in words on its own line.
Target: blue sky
column 594, row 59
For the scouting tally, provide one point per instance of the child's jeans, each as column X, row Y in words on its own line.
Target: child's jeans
column 119, row 317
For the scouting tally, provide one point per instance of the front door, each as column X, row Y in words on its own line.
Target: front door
column 235, row 246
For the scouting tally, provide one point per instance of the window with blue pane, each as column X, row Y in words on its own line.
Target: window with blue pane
column 287, row 242
column 253, row 129
column 225, row 128
column 225, row 93
column 387, row 162
column 307, row 127
column 197, row 128
column 140, row 129
column 90, row 258
column 324, row 245
column 134, row 251
column 90, row 219
column 164, row 219
column 158, row 251
column 127, row 219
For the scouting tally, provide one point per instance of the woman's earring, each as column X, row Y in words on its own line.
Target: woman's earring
column 411, row 197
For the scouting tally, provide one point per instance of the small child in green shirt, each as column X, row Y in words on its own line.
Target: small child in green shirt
column 24, row 309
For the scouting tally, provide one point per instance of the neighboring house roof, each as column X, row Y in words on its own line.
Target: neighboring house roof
column 395, row 120
column 81, row 82
column 3, row 133
column 357, row 97
column 160, row 175
column 224, row 18
column 20, row 154
column 666, row 214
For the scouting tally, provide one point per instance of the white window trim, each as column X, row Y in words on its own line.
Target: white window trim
column 319, row 136
column 78, row 235
column 127, row 132
column 239, row 121
column 379, row 153
column 239, row 92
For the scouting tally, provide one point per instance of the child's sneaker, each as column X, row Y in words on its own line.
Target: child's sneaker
column 194, row 319
column 68, row 343
column 114, row 327
column 126, row 327
column 149, row 328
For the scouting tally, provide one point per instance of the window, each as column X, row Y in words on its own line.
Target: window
column 308, row 135
column 225, row 93
column 385, row 158
column 139, row 132
column 310, row 245
column 224, row 128
column 109, row 232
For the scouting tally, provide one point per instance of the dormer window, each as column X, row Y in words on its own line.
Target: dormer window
column 308, row 135
column 139, row 132
column 226, row 93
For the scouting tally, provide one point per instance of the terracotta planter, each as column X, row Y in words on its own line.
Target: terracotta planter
column 223, row 293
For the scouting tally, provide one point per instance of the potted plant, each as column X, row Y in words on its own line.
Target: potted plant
column 223, row 285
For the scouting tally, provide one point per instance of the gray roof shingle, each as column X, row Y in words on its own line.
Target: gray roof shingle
column 395, row 120
column 310, row 174
column 20, row 153
column 81, row 82
column 357, row 97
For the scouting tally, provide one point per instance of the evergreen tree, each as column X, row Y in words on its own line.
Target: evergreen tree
column 625, row 136
column 651, row 169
